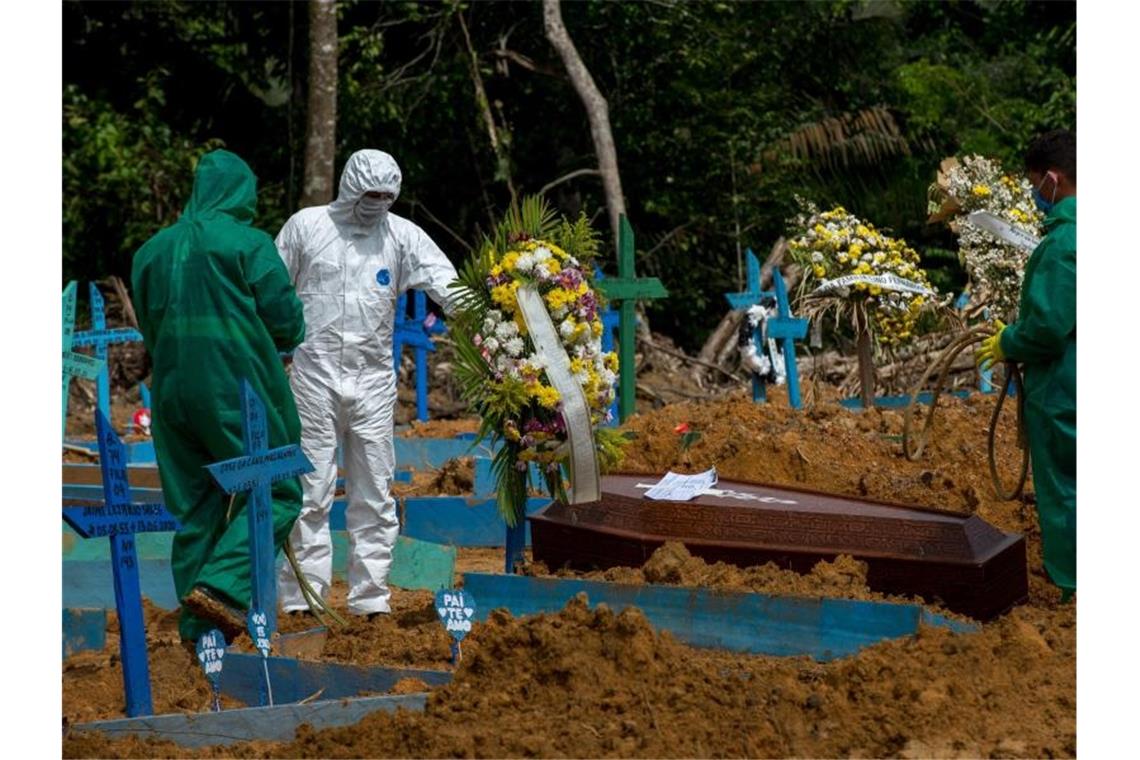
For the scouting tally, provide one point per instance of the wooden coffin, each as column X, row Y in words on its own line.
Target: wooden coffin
column 962, row 562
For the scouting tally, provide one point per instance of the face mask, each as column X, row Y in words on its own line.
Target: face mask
column 1045, row 205
column 371, row 210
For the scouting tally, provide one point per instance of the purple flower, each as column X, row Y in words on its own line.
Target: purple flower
column 520, row 466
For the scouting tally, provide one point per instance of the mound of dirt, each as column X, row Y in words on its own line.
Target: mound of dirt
column 672, row 564
column 591, row 683
column 440, row 428
column 826, row 447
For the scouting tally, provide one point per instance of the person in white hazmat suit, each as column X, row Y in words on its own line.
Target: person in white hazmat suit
column 349, row 260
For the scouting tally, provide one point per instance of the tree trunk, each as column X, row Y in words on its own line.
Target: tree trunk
column 866, row 357
column 498, row 145
column 597, row 110
column 320, row 130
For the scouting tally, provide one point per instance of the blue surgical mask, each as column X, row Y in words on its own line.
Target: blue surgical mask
column 1045, row 205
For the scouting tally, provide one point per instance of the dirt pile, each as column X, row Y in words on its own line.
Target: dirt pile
column 826, row 447
column 590, row 683
column 672, row 564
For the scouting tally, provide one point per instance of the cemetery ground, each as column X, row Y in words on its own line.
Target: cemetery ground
column 602, row 682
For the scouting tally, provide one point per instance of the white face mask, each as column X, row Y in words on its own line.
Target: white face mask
column 369, row 211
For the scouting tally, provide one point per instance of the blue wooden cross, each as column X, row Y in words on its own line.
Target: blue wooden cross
column 611, row 318
column 74, row 364
column 255, row 472
column 119, row 519
column 415, row 333
column 783, row 327
column 100, row 337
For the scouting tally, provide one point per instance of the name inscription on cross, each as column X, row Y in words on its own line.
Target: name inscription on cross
column 783, row 327
column 117, row 518
column 256, row 472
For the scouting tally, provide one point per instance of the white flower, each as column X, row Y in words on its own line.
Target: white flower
column 525, row 262
column 506, row 330
column 491, row 345
column 514, row 346
column 566, row 329
column 542, row 253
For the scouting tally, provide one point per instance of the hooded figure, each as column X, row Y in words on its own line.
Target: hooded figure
column 349, row 261
column 215, row 305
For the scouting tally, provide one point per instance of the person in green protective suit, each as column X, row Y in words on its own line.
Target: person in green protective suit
column 1044, row 341
column 215, row 305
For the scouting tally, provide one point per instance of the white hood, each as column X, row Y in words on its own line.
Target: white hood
column 366, row 171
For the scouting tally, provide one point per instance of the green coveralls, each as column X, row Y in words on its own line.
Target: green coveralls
column 215, row 305
column 1044, row 340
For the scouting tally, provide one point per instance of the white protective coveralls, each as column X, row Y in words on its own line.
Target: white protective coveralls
column 349, row 260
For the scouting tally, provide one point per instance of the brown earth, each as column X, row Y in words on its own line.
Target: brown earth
column 584, row 683
column 828, row 448
column 587, row 683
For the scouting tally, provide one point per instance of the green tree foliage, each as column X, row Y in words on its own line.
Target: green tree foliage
column 721, row 111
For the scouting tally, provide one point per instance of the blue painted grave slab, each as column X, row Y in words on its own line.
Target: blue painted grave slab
column 141, row 452
column 256, row 472
column 277, row 723
column 99, row 337
column 119, row 519
column 898, row 402
column 294, row 680
column 411, row 453
column 459, row 520
column 86, row 583
column 83, row 629
column 88, row 579
column 783, row 328
column 824, row 629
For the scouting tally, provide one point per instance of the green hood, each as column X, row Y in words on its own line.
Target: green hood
column 1065, row 211
column 223, row 184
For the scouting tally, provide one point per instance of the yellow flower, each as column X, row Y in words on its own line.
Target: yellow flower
column 553, row 266
column 596, row 328
column 611, row 361
column 818, row 270
column 496, row 270
column 510, row 261
column 558, row 297
column 546, row 395
column 981, row 190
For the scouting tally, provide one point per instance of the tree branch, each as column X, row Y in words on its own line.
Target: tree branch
column 566, row 178
column 435, row 220
column 597, row 110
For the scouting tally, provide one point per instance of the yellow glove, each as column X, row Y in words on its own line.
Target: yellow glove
column 990, row 351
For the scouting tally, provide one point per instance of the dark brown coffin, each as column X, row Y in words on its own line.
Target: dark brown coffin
column 965, row 563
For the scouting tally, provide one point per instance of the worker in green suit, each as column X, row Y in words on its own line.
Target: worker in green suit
column 215, row 305
column 1044, row 341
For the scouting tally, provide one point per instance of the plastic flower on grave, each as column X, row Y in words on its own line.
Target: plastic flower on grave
column 995, row 268
column 501, row 375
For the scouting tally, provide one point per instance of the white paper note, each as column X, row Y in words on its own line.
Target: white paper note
column 677, row 487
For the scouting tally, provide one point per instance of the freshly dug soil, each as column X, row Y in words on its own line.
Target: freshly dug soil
column 828, row 448
column 440, row 428
column 587, row 683
column 672, row 564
